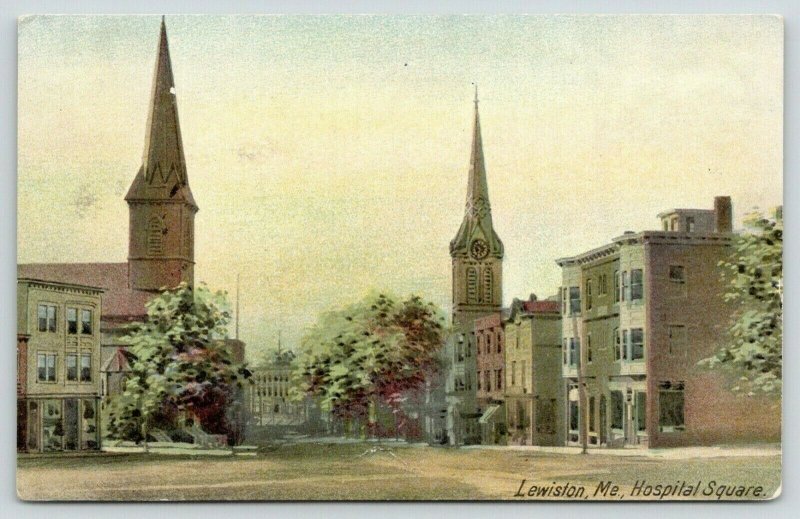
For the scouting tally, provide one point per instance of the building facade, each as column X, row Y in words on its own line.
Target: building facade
column 490, row 378
column 58, row 366
column 533, row 395
column 477, row 281
column 638, row 314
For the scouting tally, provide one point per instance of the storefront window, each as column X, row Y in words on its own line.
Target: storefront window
column 89, row 425
column 52, row 426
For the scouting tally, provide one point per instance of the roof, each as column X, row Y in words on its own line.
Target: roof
column 119, row 300
column 487, row 415
column 117, row 363
column 541, row 307
column 162, row 175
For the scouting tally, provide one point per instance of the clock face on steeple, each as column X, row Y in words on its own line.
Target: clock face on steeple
column 479, row 249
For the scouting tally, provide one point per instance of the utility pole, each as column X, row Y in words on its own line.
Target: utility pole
column 583, row 414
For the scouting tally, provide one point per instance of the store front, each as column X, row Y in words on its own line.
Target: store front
column 60, row 424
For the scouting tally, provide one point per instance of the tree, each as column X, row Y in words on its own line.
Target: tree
column 754, row 278
column 371, row 352
column 179, row 366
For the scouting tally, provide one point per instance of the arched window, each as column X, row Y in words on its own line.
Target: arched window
column 487, row 285
column 155, row 237
column 472, row 285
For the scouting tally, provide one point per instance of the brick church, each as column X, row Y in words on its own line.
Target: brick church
column 161, row 231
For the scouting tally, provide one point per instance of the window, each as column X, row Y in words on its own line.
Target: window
column 86, row 367
column 677, row 274
column 637, row 344
column 499, row 381
column 72, row 367
column 602, row 284
column 670, row 406
column 678, row 339
column 641, row 412
column 690, row 224
column 514, row 373
column 469, row 381
column 591, row 414
column 46, row 367
column 616, row 286
column 522, row 374
column 617, row 344
column 72, row 321
column 478, row 380
column 499, row 343
column 589, row 347
column 624, row 294
column 472, row 285
column 468, row 347
column 565, row 351
column 617, row 409
column 673, row 224
column 488, row 379
column 86, row 322
column 47, row 318
column 564, row 300
column 574, row 350
column 636, row 284
column 574, row 300
column 487, row 285
column 626, row 344
column 588, row 294
column 155, row 237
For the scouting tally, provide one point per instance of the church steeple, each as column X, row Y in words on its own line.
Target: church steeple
column 478, row 210
column 476, row 251
column 160, row 202
column 163, row 171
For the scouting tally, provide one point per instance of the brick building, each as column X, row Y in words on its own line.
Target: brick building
column 489, row 377
column 637, row 315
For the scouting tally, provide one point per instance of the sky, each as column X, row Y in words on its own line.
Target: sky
column 329, row 155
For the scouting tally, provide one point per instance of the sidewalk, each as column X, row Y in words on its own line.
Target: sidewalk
column 675, row 453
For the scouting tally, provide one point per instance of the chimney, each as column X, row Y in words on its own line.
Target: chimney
column 723, row 214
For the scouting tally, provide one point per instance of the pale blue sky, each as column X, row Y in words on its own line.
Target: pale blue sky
column 328, row 155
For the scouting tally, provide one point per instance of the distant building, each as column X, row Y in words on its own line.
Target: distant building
column 637, row 315
column 533, row 388
column 477, row 256
column 58, row 366
column 490, row 378
column 267, row 395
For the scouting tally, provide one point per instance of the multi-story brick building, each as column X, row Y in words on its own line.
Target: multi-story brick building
column 533, row 395
column 489, row 378
column 58, row 366
column 637, row 315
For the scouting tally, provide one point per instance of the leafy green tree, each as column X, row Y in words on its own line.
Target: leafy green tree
column 754, row 277
column 179, row 366
column 369, row 353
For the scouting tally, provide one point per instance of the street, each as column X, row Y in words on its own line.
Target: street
column 362, row 471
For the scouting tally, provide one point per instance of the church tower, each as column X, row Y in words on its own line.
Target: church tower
column 160, row 203
column 477, row 251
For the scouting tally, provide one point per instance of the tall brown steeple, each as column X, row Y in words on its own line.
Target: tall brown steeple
column 160, row 202
column 476, row 250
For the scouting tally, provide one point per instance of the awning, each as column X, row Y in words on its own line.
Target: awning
column 491, row 410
